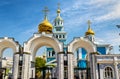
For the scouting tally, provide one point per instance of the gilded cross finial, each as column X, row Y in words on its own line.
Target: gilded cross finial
column 45, row 11
column 89, row 23
column 58, row 10
column 58, row 5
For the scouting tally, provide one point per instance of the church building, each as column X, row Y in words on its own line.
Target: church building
column 82, row 58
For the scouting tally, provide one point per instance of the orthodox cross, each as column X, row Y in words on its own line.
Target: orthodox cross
column 58, row 5
column 45, row 10
column 89, row 23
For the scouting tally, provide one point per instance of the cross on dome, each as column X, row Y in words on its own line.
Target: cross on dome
column 45, row 12
column 89, row 23
column 58, row 5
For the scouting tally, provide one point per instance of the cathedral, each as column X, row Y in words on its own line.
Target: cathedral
column 82, row 58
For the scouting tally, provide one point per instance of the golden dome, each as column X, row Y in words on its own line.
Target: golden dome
column 45, row 26
column 90, row 32
column 58, row 11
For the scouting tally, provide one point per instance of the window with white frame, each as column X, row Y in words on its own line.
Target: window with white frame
column 108, row 73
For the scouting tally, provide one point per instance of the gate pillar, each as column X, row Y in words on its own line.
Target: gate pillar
column 70, row 65
column 15, row 65
column 60, row 61
column 26, row 64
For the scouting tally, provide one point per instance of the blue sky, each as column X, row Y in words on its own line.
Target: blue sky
column 20, row 18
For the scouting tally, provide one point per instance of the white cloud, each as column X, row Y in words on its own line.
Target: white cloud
column 99, row 10
column 29, row 31
column 114, row 13
column 111, row 38
column 101, row 2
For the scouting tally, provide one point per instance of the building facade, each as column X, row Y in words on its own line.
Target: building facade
column 82, row 58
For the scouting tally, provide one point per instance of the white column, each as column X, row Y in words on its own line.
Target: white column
column 70, row 66
column 97, row 71
column 15, row 66
column 116, row 70
column 60, row 60
column 93, row 65
column 26, row 64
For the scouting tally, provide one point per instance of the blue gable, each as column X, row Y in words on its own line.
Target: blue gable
column 102, row 50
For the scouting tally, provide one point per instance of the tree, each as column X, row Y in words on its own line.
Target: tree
column 39, row 63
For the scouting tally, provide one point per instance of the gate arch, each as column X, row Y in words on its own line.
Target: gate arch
column 72, row 47
column 31, row 47
column 14, row 45
column 8, row 43
column 38, row 41
column 81, row 43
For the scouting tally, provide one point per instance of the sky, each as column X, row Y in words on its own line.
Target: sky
column 20, row 18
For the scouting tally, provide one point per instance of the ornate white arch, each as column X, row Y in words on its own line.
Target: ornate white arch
column 8, row 43
column 81, row 43
column 39, row 40
column 72, row 47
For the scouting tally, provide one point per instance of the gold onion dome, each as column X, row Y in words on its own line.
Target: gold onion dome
column 89, row 31
column 58, row 11
column 45, row 26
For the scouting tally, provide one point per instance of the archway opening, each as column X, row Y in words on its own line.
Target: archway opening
column 80, row 61
column 7, row 62
column 45, row 63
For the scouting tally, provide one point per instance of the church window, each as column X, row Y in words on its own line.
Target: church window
column 55, row 23
column 53, row 53
column 56, row 36
column 49, row 53
column 59, row 36
column 58, row 29
column 108, row 73
column 63, row 36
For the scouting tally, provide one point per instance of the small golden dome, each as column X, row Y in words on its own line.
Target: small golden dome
column 90, row 32
column 58, row 11
column 45, row 26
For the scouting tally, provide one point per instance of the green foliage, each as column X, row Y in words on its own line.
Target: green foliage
column 7, row 71
column 39, row 63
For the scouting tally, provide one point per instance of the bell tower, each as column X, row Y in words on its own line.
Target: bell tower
column 58, row 24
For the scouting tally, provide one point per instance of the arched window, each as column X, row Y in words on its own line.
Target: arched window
column 59, row 36
column 108, row 73
column 56, row 36
column 63, row 36
column 53, row 53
